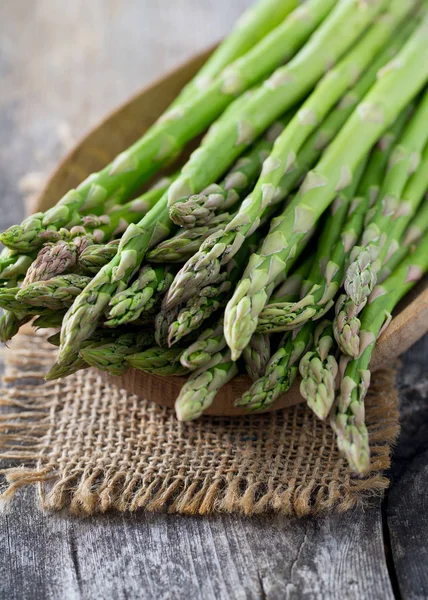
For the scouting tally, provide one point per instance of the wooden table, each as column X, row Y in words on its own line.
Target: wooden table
column 63, row 64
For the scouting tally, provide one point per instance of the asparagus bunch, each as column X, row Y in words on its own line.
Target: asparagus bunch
column 165, row 139
column 334, row 172
column 340, row 231
column 286, row 145
column 381, row 237
column 347, row 324
column 328, row 43
column 348, row 414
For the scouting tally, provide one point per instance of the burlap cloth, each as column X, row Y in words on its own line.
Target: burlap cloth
column 90, row 447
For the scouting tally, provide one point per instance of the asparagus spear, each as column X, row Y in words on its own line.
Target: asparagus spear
column 199, row 354
column 182, row 245
column 10, row 323
column 165, row 139
column 143, row 295
column 200, row 209
column 319, row 369
column 254, row 24
column 159, row 361
column 49, row 319
column 8, row 299
column 110, row 355
column 55, row 259
column 199, row 391
column 56, row 293
column 280, row 372
column 257, row 355
column 327, row 93
column 290, row 289
column 96, row 256
column 418, row 226
column 204, row 266
column 13, row 265
column 334, row 171
column 347, row 324
column 378, row 242
column 162, row 322
column 348, row 415
column 412, row 236
column 211, row 298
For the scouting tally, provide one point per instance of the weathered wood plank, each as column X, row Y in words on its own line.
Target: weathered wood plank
column 165, row 556
column 407, row 505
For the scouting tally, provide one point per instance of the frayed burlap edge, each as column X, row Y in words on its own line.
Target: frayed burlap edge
column 90, row 448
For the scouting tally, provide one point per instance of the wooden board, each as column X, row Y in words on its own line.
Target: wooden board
column 115, row 133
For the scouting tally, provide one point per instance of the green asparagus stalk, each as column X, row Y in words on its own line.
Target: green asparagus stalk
column 8, row 300
column 10, row 324
column 162, row 322
column 378, row 242
column 319, row 369
column 348, row 415
column 211, row 298
column 49, row 319
column 418, row 226
column 281, row 370
column 334, row 172
column 182, row 245
column 199, row 354
column 145, row 201
column 110, row 355
column 199, row 391
column 13, row 265
column 412, row 236
column 331, row 38
column 95, row 256
column 257, row 355
column 158, row 361
column 200, row 209
column 56, row 293
column 166, row 138
column 254, row 24
column 76, row 363
column 290, row 289
column 347, row 324
column 143, row 295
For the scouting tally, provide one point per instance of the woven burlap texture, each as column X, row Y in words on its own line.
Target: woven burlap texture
column 90, row 447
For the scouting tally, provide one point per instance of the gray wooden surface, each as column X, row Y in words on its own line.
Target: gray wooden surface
column 64, row 64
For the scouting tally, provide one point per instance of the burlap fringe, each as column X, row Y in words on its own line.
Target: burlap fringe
column 90, row 449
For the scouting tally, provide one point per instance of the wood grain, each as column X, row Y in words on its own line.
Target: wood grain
column 118, row 131
column 147, row 556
